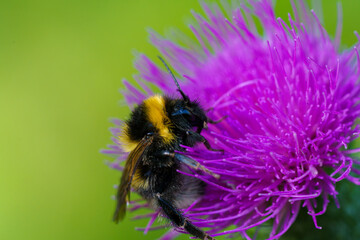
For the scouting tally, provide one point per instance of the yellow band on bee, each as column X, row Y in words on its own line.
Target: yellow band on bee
column 139, row 182
column 126, row 143
column 156, row 113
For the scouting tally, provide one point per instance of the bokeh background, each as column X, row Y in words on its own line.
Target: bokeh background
column 61, row 65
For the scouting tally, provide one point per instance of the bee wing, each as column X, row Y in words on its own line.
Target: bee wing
column 132, row 161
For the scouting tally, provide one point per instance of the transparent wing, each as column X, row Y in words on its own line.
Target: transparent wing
column 132, row 161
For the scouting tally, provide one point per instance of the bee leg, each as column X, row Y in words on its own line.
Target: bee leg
column 199, row 129
column 217, row 121
column 209, row 109
column 179, row 220
column 208, row 146
column 194, row 164
column 212, row 121
column 200, row 138
column 188, row 161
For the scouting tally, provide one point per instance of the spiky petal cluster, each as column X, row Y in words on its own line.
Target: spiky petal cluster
column 291, row 101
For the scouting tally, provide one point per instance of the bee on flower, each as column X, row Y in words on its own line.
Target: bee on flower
column 291, row 101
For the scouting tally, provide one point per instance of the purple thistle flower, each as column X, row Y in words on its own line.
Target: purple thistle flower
column 291, row 101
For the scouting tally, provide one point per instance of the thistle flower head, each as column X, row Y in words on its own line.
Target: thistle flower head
column 291, row 99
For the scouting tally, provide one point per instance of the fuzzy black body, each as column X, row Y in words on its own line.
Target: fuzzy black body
column 155, row 130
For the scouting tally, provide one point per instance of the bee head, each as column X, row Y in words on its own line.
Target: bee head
column 197, row 116
column 190, row 110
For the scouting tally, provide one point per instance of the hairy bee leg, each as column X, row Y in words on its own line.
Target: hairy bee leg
column 200, row 138
column 179, row 220
column 189, row 162
column 194, row 164
column 208, row 146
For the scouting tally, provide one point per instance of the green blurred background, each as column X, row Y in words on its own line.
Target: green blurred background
column 61, row 65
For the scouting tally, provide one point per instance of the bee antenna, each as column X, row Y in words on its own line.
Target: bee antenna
column 186, row 98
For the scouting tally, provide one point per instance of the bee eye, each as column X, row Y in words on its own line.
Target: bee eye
column 149, row 134
column 181, row 112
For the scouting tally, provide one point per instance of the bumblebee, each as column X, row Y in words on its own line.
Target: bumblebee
column 153, row 136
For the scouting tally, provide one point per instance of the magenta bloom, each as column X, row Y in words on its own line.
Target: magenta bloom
column 291, row 99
